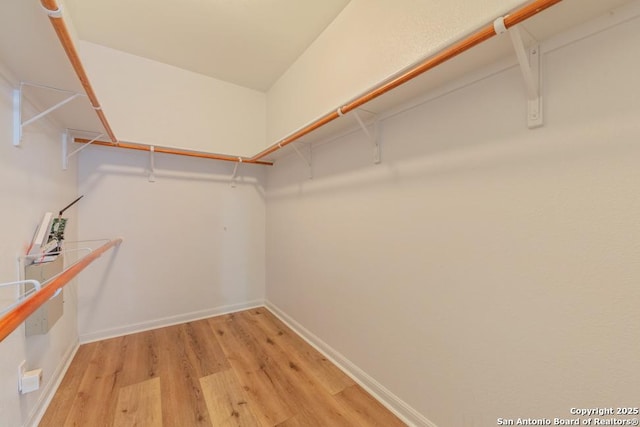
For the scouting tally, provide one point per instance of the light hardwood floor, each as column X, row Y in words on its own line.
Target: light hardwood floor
column 241, row 369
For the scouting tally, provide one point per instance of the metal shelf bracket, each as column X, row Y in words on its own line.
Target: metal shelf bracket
column 373, row 136
column 529, row 61
column 152, row 164
column 36, row 287
column 235, row 171
column 65, row 145
column 18, row 124
column 304, row 159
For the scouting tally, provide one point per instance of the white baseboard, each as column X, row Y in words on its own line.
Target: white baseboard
column 167, row 321
column 52, row 386
column 405, row 412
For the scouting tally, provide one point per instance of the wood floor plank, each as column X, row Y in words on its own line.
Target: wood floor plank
column 263, row 389
column 59, row 408
column 182, row 400
column 203, row 350
column 365, row 410
column 301, row 420
column 311, row 360
column 139, row 405
column 312, row 401
column 95, row 400
column 227, row 403
column 141, row 355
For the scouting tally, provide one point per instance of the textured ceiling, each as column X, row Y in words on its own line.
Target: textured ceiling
column 247, row 42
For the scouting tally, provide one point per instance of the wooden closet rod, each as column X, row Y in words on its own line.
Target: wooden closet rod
column 456, row 49
column 175, row 151
column 60, row 27
column 14, row 318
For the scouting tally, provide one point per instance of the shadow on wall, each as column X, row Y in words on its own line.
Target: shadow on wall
column 95, row 301
column 482, row 125
column 169, row 167
column 344, row 165
column 434, row 131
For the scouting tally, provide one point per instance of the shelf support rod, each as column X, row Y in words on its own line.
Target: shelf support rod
column 37, row 285
column 65, row 149
column 152, row 164
column 50, row 109
column 304, row 159
column 23, row 258
column 18, row 124
column 235, row 171
column 17, row 117
column 65, row 137
column 373, row 137
column 23, row 295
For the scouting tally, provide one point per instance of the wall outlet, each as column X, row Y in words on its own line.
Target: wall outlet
column 28, row 381
column 22, row 368
column 31, row 381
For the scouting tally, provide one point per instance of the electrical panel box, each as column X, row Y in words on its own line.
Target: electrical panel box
column 43, row 319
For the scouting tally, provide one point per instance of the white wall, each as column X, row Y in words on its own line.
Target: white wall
column 157, row 104
column 369, row 41
column 31, row 183
column 193, row 245
column 483, row 270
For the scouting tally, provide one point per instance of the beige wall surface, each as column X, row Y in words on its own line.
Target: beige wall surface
column 483, row 270
column 193, row 244
column 157, row 104
column 31, row 183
